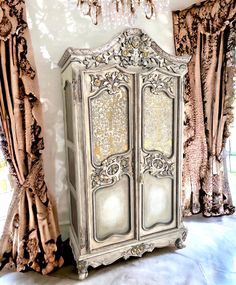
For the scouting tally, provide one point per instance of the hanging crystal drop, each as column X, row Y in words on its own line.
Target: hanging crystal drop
column 85, row 8
column 115, row 13
column 93, row 14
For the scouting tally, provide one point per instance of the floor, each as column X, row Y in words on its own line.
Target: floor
column 209, row 258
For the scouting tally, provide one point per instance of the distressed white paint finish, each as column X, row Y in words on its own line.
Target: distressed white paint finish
column 157, row 200
column 56, row 25
column 112, row 209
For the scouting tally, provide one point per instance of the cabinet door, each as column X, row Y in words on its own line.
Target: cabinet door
column 158, row 187
column 107, row 101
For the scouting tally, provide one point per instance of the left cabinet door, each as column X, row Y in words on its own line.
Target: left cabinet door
column 108, row 117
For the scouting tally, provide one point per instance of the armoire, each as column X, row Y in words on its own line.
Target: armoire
column 123, row 126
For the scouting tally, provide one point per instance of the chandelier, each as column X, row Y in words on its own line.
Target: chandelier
column 120, row 12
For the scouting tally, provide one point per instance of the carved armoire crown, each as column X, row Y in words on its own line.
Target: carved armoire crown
column 123, row 118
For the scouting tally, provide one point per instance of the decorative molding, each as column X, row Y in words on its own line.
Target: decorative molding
column 110, row 171
column 158, row 165
column 138, row 250
column 111, row 81
column 159, row 82
column 131, row 48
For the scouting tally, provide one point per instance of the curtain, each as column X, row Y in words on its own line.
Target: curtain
column 31, row 237
column 206, row 31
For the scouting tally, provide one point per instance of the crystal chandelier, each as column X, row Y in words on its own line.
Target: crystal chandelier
column 120, row 12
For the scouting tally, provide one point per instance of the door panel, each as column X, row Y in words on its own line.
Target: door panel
column 157, row 152
column 157, row 201
column 112, row 206
column 109, row 145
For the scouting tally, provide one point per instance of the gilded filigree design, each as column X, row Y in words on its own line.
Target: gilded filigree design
column 138, row 250
column 160, row 82
column 158, row 165
column 158, row 133
column 111, row 81
column 109, row 124
column 110, row 171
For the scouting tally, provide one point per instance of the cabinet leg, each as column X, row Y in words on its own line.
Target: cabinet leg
column 82, row 267
column 179, row 243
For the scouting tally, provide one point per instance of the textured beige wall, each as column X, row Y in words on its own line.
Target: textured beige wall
column 56, row 25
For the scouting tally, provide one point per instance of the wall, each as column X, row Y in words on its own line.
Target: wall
column 56, row 25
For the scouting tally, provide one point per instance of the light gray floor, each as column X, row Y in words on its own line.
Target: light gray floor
column 209, row 258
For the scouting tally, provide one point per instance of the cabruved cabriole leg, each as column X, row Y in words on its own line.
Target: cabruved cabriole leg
column 82, row 267
column 179, row 243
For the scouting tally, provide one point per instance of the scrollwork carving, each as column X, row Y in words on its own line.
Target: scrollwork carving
column 111, row 81
column 138, row 250
column 160, row 82
column 158, row 165
column 110, row 171
column 132, row 48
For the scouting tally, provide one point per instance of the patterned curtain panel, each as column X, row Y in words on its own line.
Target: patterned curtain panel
column 206, row 31
column 31, row 235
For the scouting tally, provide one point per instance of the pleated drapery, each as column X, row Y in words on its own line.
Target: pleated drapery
column 206, row 31
column 31, row 236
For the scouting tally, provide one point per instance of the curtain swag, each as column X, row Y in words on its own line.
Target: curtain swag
column 206, row 31
column 31, row 237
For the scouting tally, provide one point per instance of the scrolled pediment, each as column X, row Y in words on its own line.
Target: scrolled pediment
column 132, row 49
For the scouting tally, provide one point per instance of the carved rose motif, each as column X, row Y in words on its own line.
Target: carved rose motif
column 134, row 50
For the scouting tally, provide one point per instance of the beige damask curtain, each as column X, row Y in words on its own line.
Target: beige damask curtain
column 206, row 31
column 31, row 236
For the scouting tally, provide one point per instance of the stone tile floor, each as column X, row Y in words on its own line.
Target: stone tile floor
column 209, row 258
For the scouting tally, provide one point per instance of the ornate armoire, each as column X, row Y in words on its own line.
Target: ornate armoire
column 123, row 117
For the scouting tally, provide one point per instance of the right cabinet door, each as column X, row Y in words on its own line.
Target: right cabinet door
column 158, row 150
